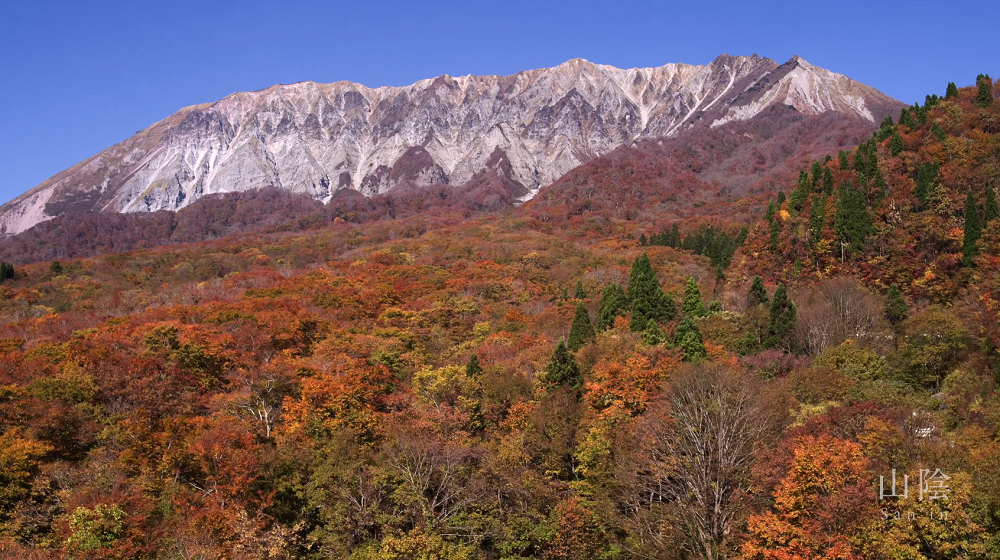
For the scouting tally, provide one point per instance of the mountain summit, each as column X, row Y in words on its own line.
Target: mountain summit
column 531, row 127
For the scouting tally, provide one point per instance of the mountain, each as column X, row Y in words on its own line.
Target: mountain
column 531, row 128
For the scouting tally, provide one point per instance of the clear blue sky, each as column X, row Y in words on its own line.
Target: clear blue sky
column 77, row 77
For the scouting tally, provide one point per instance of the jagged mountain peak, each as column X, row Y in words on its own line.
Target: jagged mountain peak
column 318, row 138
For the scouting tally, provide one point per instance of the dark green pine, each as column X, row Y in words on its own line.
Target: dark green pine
column 757, row 294
column 906, row 118
column 985, row 96
column 896, row 144
column 582, row 330
column 817, row 218
column 694, row 306
column 580, row 293
column 613, row 304
column 688, row 340
column 775, row 233
column 895, row 307
column 562, row 369
column 990, row 211
column 645, row 296
column 973, row 230
column 653, row 335
column 952, row 91
column 827, row 181
column 472, row 369
column 782, row 321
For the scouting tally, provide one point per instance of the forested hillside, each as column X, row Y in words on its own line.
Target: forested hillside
column 560, row 381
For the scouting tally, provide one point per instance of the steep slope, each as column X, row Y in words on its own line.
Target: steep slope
column 318, row 139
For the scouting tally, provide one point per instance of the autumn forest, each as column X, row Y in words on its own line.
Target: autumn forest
column 804, row 368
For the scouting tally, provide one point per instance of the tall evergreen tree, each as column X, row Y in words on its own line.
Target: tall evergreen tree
column 645, row 296
column 653, row 334
column 973, row 230
column 769, row 213
column 674, row 240
column 896, row 144
column 614, row 303
column 781, row 198
column 694, row 306
column 757, row 294
column 775, row 233
column 56, row 268
column 844, row 164
column 782, row 321
column 985, row 96
column 990, row 211
column 580, row 293
column 926, row 174
column 851, row 219
column 816, row 175
column 642, row 240
column 582, row 330
column 688, row 340
column 905, row 117
column 562, row 369
column 6, row 272
column 895, row 307
column 952, row 91
column 817, row 218
column 472, row 369
column 886, row 128
column 827, row 181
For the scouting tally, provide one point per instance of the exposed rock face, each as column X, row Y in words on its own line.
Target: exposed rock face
column 320, row 138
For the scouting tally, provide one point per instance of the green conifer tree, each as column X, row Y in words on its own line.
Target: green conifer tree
column 798, row 197
column 769, row 213
column 895, row 307
column 906, row 118
column 582, row 330
column 562, row 369
column 816, row 175
column 646, row 297
column 688, row 340
column 985, row 96
column 844, row 163
column 827, row 181
column 613, row 304
column 896, row 144
column 653, row 334
column 675, row 237
column 886, row 128
column 781, row 198
column 990, row 211
column 56, row 268
column 973, row 230
column 642, row 239
column 938, row 132
column 694, row 306
column 473, row 369
column 757, row 294
column 772, row 242
column 782, row 322
column 926, row 174
column 580, row 293
column 6, row 272
column 851, row 220
column 817, row 218
column 952, row 91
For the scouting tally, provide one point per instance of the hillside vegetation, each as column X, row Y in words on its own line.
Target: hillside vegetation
column 559, row 381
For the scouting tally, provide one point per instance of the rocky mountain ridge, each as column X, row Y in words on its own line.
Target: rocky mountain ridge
column 531, row 127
